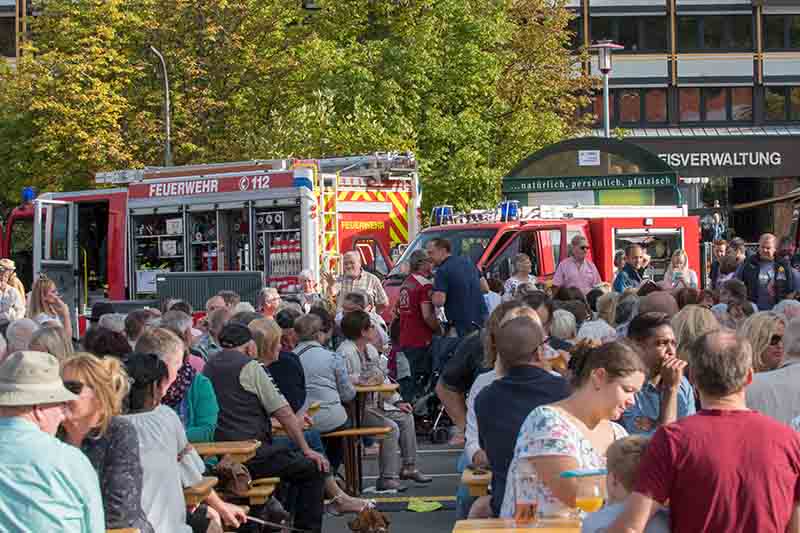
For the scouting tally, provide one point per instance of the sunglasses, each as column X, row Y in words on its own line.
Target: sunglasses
column 75, row 387
column 583, row 247
column 776, row 340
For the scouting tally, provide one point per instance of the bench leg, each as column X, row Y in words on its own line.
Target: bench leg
column 352, row 472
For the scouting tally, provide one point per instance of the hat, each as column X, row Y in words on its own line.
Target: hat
column 31, row 378
column 7, row 264
column 234, row 335
column 99, row 309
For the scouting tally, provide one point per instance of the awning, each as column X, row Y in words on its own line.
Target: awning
column 788, row 197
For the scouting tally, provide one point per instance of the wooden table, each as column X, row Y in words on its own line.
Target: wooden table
column 240, row 451
column 196, row 494
column 355, row 412
column 495, row 525
column 477, row 483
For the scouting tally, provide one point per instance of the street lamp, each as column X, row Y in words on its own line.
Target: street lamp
column 168, row 141
column 604, row 50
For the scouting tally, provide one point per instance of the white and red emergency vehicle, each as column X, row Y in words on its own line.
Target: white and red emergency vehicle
column 274, row 216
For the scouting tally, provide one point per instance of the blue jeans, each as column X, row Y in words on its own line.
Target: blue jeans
column 312, row 438
column 463, row 500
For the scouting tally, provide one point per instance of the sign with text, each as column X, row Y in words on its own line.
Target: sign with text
column 588, row 183
column 588, row 158
column 200, row 185
column 742, row 156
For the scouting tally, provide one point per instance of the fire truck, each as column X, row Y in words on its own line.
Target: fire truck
column 492, row 238
column 274, row 216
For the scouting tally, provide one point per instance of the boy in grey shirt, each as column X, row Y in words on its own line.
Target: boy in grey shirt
column 622, row 459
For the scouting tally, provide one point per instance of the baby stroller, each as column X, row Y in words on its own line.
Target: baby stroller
column 430, row 417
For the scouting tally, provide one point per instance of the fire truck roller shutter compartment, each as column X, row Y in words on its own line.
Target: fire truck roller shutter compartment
column 659, row 243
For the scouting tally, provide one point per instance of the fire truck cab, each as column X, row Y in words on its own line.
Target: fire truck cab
column 492, row 238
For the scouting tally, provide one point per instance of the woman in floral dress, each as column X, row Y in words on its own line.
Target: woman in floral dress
column 574, row 433
column 522, row 274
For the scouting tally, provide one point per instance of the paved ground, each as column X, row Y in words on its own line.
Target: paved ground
column 436, row 461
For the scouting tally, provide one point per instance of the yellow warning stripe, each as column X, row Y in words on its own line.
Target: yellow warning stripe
column 401, row 499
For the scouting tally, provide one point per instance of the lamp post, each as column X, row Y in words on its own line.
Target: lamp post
column 167, row 141
column 604, row 50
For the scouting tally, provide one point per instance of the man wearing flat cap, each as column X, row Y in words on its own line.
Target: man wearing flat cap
column 12, row 303
column 46, row 485
column 247, row 398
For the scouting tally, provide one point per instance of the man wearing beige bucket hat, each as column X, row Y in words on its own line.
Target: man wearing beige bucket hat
column 46, row 485
column 12, row 303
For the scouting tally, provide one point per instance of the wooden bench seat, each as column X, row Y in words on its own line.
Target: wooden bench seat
column 260, row 491
column 477, row 482
column 359, row 432
column 239, row 451
column 195, row 494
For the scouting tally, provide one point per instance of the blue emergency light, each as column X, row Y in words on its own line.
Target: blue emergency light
column 28, row 195
column 441, row 214
column 509, row 210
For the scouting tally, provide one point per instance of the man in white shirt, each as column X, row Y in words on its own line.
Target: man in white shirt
column 777, row 393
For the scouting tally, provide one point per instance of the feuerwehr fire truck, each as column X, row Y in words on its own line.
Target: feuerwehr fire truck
column 274, row 216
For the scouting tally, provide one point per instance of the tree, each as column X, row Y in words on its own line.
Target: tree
column 470, row 86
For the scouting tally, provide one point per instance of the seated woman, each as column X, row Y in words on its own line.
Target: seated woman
column 678, row 274
column 575, row 433
column 363, row 366
column 93, row 424
column 267, row 335
column 102, row 342
column 191, row 394
column 169, row 463
column 47, row 306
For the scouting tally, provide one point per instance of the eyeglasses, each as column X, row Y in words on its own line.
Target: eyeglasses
column 776, row 340
column 75, row 387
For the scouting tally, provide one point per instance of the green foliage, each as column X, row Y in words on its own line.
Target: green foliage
column 471, row 86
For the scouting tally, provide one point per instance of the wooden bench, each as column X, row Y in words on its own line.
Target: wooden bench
column 352, row 453
column 259, row 493
column 477, row 482
column 239, row 451
column 196, row 494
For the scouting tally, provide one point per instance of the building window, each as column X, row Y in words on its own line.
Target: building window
column 629, row 106
column 656, row 106
column 8, row 45
column 716, row 104
column 636, row 34
column 781, row 32
column 742, row 104
column 715, row 32
column 782, row 104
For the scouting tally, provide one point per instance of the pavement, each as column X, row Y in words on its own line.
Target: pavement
column 437, row 461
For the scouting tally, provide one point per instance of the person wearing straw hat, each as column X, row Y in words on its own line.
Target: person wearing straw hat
column 47, row 485
column 12, row 301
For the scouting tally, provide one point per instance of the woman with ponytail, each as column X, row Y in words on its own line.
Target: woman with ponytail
column 168, row 460
column 109, row 441
column 575, row 433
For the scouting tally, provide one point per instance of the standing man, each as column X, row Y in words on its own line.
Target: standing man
column 719, row 249
column 417, row 318
column 46, row 485
column 786, row 251
column 576, row 270
column 629, row 277
column 457, row 288
column 767, row 278
column 356, row 278
column 727, row 468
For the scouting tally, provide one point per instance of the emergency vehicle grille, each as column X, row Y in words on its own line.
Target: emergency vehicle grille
column 197, row 287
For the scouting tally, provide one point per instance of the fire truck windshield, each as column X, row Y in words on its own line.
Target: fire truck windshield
column 471, row 242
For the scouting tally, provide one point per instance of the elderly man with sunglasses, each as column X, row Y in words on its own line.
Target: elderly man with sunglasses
column 576, row 270
column 46, row 485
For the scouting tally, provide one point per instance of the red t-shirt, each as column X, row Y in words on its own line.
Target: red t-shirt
column 731, row 471
column 414, row 332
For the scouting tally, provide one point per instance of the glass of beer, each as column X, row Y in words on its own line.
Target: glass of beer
column 526, row 505
column 591, row 493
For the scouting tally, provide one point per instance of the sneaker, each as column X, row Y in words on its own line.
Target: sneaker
column 389, row 485
column 412, row 474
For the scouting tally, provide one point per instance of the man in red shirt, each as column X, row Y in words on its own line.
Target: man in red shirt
column 726, row 468
column 417, row 319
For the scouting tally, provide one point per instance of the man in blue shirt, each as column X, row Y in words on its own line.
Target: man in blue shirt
column 630, row 275
column 46, row 485
column 457, row 288
column 667, row 395
column 525, row 386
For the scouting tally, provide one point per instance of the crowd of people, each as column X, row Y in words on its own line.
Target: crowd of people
column 686, row 397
